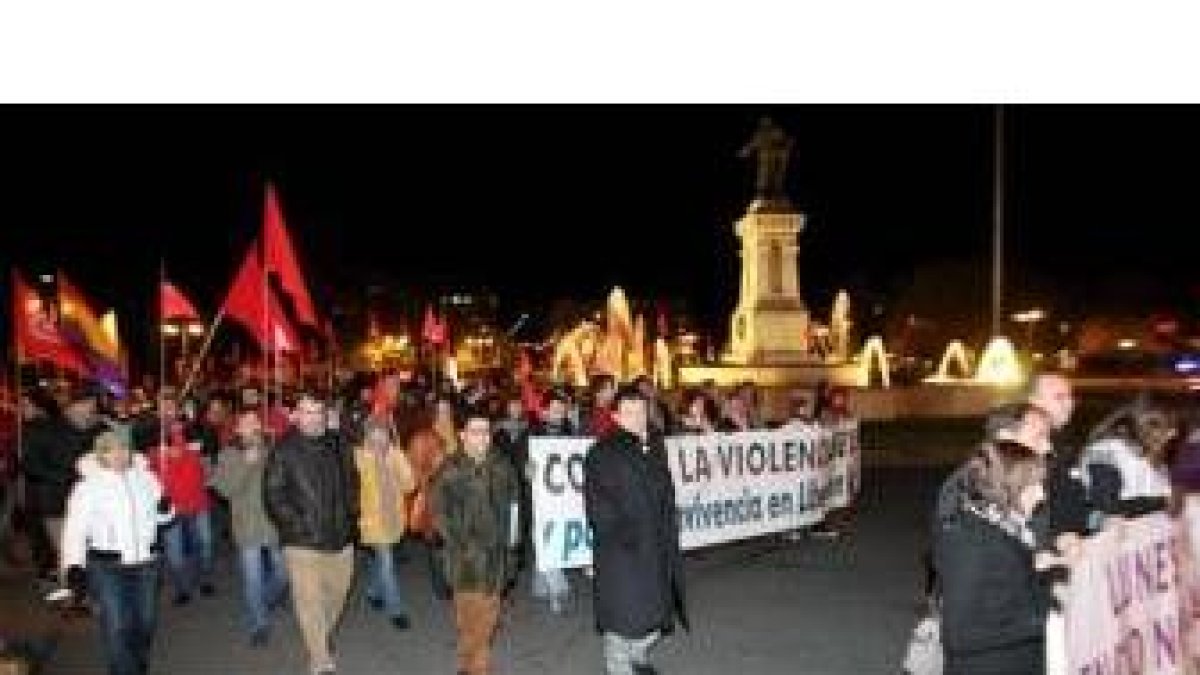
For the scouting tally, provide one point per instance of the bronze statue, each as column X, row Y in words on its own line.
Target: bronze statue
column 772, row 147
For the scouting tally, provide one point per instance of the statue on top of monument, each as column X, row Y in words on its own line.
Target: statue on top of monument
column 772, row 147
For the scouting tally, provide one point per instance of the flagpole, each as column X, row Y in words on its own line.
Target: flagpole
column 204, row 347
column 16, row 389
column 267, row 347
column 162, row 365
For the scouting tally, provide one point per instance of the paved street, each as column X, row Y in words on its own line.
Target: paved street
column 757, row 608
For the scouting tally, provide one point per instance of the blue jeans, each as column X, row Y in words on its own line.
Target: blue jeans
column 264, row 582
column 382, row 582
column 125, row 601
column 189, row 547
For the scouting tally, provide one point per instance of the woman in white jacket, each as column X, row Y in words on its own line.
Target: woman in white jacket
column 109, row 543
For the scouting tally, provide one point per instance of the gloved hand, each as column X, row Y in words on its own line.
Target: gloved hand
column 76, row 581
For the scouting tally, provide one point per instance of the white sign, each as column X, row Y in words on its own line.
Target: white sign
column 1130, row 605
column 727, row 486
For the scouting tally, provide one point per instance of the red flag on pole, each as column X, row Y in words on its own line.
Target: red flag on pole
column 262, row 316
column 37, row 332
column 174, row 305
column 279, row 257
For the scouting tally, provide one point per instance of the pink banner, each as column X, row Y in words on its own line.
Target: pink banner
column 1131, row 603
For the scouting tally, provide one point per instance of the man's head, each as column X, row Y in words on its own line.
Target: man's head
column 80, row 410
column 1051, row 392
column 168, row 407
column 555, row 410
column 476, row 432
column 604, row 387
column 309, row 415
column 631, row 411
column 645, row 385
column 249, row 427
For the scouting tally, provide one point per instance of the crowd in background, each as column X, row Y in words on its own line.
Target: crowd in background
column 305, row 487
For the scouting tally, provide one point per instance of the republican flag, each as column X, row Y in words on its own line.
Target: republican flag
column 252, row 303
column 94, row 336
column 38, row 335
column 279, row 257
column 83, row 325
column 173, row 305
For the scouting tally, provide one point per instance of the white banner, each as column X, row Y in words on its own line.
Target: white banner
column 727, row 486
column 1130, row 605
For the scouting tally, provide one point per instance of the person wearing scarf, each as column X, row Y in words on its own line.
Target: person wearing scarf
column 385, row 479
column 993, row 606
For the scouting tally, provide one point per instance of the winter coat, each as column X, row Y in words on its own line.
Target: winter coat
column 241, row 482
column 372, row 524
column 473, row 509
column 52, row 448
column 112, row 512
column 993, row 611
column 184, row 479
column 311, row 491
column 630, row 502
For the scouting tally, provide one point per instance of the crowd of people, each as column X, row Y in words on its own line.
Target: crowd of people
column 1008, row 522
column 305, row 487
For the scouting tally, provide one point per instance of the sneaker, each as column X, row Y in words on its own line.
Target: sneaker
column 59, row 595
column 375, row 603
column 644, row 669
column 182, row 599
column 207, row 589
column 401, row 622
column 259, row 638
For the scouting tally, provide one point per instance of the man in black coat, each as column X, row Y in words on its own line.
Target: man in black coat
column 52, row 447
column 310, row 492
column 630, row 501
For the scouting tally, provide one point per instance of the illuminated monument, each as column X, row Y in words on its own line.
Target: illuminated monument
column 770, row 323
column 771, row 334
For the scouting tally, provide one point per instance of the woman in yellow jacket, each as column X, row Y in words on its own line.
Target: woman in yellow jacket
column 385, row 479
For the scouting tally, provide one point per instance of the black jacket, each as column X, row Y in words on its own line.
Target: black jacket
column 51, row 449
column 630, row 500
column 1067, row 505
column 311, row 491
column 993, row 608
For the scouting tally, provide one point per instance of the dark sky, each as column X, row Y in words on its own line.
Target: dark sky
column 540, row 202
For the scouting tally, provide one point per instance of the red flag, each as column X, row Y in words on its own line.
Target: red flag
column 279, row 257
column 443, row 331
column 429, row 326
column 253, row 304
column 174, row 305
column 37, row 332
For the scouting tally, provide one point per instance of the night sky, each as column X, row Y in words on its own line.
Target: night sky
column 543, row 202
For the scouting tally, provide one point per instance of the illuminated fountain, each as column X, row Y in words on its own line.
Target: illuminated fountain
column 998, row 365
column 617, row 348
column 955, row 355
column 873, row 353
